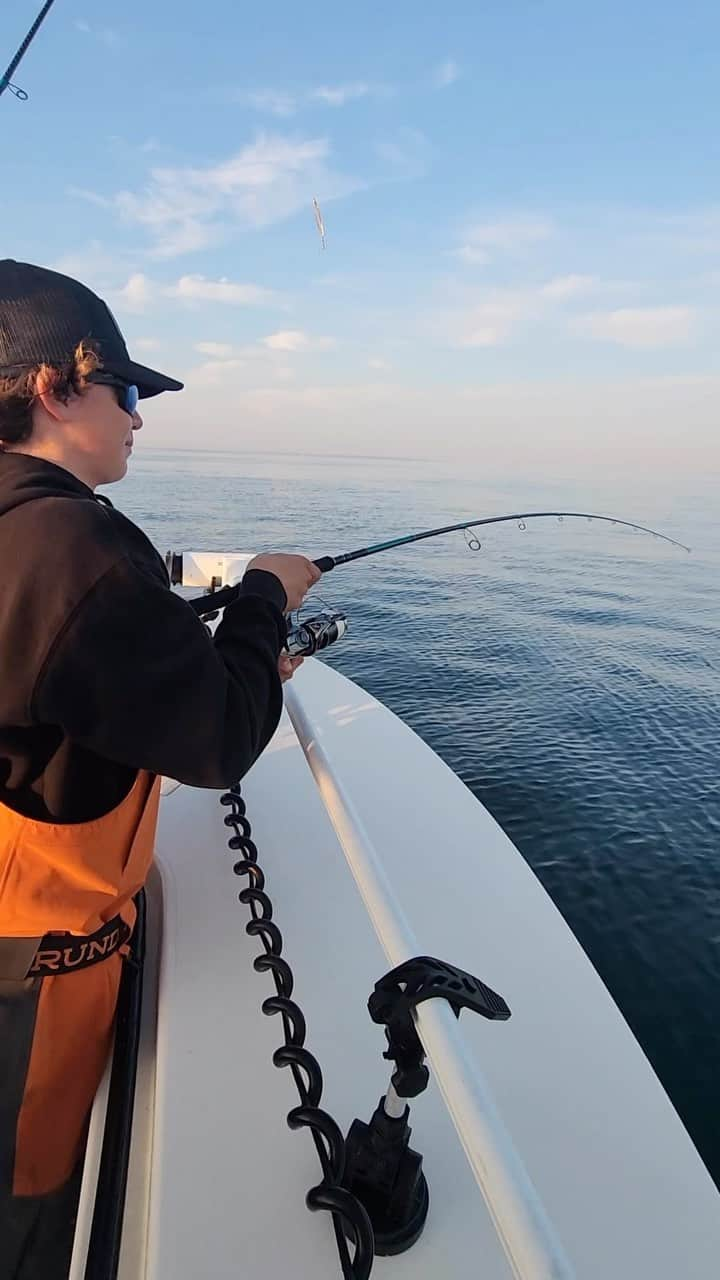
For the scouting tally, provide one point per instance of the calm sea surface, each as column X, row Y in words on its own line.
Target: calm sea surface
column 570, row 674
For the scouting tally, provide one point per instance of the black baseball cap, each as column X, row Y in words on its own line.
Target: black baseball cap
column 43, row 317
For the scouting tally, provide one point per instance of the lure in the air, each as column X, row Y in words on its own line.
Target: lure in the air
column 319, row 222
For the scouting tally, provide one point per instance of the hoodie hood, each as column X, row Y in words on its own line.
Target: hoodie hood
column 24, row 478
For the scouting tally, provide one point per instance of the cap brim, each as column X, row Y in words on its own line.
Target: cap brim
column 148, row 381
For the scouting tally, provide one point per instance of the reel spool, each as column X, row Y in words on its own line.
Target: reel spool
column 309, row 635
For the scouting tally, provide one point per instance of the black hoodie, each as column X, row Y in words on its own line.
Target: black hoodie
column 104, row 669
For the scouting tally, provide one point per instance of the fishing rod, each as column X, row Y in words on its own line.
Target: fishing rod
column 5, row 79
column 217, row 599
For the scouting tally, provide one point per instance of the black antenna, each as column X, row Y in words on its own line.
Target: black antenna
column 5, row 81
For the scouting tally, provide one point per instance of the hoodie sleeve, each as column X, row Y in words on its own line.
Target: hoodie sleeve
column 135, row 677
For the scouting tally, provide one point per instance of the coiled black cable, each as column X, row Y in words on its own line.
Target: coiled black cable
column 349, row 1216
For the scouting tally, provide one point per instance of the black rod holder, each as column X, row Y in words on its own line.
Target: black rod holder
column 381, row 1168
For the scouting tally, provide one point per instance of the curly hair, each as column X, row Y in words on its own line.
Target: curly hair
column 19, row 393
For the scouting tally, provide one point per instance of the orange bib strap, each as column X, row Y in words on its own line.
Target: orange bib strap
column 56, row 953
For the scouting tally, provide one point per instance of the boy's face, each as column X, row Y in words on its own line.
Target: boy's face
column 91, row 435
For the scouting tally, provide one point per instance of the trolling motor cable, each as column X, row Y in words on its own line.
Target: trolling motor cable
column 217, row 599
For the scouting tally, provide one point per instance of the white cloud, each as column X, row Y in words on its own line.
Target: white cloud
column 106, row 35
column 487, row 335
column 94, row 265
column 337, row 95
column 490, row 324
column 196, row 288
column 264, row 359
column 93, row 197
column 483, row 241
column 214, row 372
column 406, row 154
column 245, row 365
column 473, row 255
column 498, row 314
column 296, row 340
column 188, row 208
column 286, row 340
column 283, row 103
column 487, row 319
column 335, row 280
column 218, row 350
column 378, row 364
column 571, row 286
column 641, row 327
column 492, row 317
column 508, row 234
column 695, row 232
column 274, row 101
column 446, row 74
column 137, row 293
column 146, row 344
column 141, row 291
column 177, row 220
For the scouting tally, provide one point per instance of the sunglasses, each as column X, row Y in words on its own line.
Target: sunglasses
column 126, row 392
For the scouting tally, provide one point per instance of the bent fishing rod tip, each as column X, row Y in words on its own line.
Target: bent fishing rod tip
column 216, row 599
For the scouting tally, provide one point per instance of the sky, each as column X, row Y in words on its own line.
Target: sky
column 520, row 198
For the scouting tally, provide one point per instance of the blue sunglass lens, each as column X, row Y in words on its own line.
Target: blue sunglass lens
column 131, row 399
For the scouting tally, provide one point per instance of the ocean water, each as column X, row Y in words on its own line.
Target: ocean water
column 570, row 674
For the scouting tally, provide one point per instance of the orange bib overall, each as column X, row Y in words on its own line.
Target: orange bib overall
column 65, row 879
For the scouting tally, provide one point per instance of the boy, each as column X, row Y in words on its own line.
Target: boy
column 109, row 680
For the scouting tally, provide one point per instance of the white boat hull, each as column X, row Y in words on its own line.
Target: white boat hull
column 218, row 1181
